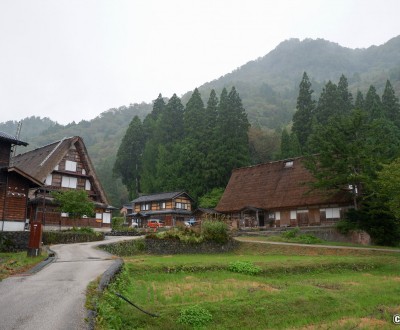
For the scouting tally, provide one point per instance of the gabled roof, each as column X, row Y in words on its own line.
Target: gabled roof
column 11, row 139
column 39, row 163
column 34, row 182
column 160, row 197
column 275, row 185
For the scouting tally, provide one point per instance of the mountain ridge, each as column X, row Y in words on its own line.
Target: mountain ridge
column 268, row 87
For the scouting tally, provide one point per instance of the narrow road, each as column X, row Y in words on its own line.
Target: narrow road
column 54, row 298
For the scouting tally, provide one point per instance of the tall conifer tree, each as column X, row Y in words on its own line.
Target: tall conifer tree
column 390, row 104
column 128, row 162
column 302, row 118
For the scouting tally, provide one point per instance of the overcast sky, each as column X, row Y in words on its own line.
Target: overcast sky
column 73, row 59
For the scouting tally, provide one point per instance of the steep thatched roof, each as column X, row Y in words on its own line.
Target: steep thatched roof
column 275, row 185
column 39, row 163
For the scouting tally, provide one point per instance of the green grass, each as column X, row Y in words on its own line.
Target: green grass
column 17, row 262
column 327, row 243
column 296, row 287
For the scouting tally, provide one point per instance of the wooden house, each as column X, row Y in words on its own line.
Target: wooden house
column 171, row 207
column 14, row 187
column 202, row 214
column 63, row 165
column 278, row 194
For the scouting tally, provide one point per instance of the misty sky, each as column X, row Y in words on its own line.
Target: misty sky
column 73, row 59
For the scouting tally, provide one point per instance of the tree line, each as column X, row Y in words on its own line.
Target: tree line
column 352, row 144
column 192, row 148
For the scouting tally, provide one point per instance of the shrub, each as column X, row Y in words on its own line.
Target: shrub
column 128, row 248
column 74, row 235
column 308, row 239
column 116, row 223
column 216, row 231
column 195, row 316
column 244, row 267
column 290, row 233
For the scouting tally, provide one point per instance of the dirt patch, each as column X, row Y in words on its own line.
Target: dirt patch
column 328, row 286
column 349, row 323
column 212, row 291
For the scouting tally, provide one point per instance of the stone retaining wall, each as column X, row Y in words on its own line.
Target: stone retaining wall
column 11, row 241
column 326, row 233
column 171, row 246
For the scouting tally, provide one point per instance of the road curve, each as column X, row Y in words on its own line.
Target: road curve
column 54, row 297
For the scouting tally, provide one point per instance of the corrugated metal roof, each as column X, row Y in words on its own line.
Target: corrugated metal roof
column 12, row 139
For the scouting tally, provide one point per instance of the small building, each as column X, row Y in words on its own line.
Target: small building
column 277, row 194
column 14, row 187
column 59, row 166
column 202, row 214
column 171, row 207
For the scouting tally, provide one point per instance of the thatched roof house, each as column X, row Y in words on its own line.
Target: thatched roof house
column 63, row 165
column 278, row 193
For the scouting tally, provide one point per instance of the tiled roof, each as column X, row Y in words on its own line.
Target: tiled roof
column 273, row 185
column 12, row 139
column 159, row 197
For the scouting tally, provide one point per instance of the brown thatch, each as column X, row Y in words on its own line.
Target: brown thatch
column 273, row 186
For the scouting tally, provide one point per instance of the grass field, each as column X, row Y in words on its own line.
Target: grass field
column 295, row 288
column 17, row 262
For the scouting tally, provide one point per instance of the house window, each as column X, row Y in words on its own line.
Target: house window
column 99, row 216
column 106, row 217
column 288, row 164
column 48, row 180
column 332, row 213
column 88, row 185
column 145, row 207
column 69, row 182
column 277, row 215
column 178, row 205
column 83, row 171
column 64, row 215
column 293, row 215
column 56, row 168
column 162, row 205
column 70, row 166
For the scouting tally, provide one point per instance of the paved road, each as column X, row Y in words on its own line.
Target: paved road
column 54, row 297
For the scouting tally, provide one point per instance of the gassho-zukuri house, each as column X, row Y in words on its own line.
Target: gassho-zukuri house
column 278, row 194
column 59, row 166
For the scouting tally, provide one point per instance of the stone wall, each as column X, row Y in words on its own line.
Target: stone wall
column 11, row 241
column 172, row 246
column 329, row 234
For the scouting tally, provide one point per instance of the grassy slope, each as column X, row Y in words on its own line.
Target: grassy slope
column 297, row 287
column 16, row 263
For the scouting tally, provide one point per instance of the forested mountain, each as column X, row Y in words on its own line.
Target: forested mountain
column 268, row 88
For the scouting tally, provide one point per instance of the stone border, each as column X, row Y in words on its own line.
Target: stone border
column 105, row 280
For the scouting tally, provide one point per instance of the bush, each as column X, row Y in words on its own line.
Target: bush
column 382, row 226
column 74, row 235
column 117, row 223
column 195, row 316
column 290, row 233
column 128, row 248
column 244, row 267
column 216, row 231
